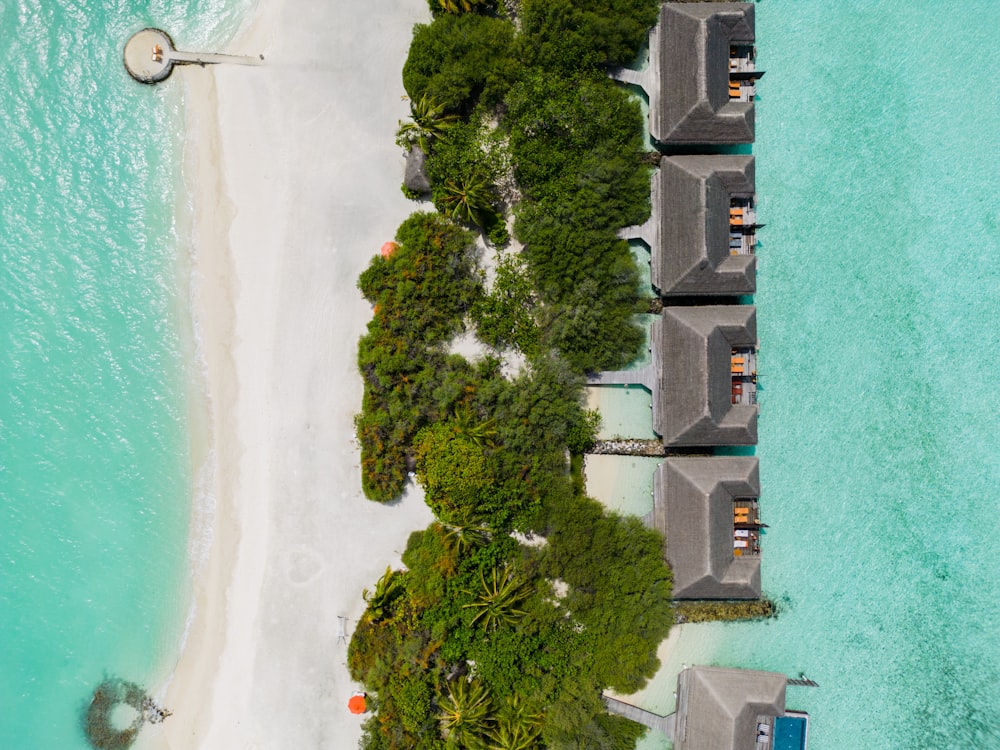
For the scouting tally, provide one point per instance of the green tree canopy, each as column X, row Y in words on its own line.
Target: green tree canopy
column 563, row 36
column 454, row 472
column 460, row 60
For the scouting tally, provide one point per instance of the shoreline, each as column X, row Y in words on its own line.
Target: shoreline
column 292, row 542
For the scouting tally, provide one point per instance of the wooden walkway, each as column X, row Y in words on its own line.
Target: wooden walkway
column 664, row 724
column 210, row 58
column 645, row 376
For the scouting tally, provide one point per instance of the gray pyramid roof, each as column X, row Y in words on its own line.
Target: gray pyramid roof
column 692, row 401
column 693, row 507
column 717, row 708
column 693, row 257
column 692, row 43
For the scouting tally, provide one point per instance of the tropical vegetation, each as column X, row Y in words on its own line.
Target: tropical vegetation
column 524, row 599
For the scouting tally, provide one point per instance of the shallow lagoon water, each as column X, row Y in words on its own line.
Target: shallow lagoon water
column 878, row 314
column 95, row 467
column 625, row 412
column 622, row 484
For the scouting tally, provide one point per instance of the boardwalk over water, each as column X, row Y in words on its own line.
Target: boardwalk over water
column 664, row 724
column 645, row 376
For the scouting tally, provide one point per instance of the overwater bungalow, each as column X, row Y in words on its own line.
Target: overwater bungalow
column 735, row 709
column 707, row 509
column 707, row 226
column 707, row 74
column 702, row 357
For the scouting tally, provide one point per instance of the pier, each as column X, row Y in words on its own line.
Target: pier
column 643, row 376
column 150, row 56
column 663, row 724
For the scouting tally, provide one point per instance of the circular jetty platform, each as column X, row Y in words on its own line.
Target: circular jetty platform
column 149, row 55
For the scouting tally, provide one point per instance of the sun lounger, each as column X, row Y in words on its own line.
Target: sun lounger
column 740, row 544
column 763, row 728
column 741, row 534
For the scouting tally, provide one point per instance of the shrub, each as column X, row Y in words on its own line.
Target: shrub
column 460, row 61
column 421, row 294
column 491, row 453
column 505, row 317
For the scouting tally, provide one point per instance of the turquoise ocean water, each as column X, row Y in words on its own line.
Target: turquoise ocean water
column 879, row 310
column 95, row 465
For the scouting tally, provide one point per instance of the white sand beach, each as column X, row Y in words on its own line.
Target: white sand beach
column 296, row 183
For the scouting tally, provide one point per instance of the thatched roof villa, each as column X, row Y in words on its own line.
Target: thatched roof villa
column 726, row 709
column 693, row 401
column 734, row 709
column 706, row 226
column 701, row 76
column 713, row 553
column 704, row 92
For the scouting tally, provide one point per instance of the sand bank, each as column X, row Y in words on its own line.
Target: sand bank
column 295, row 181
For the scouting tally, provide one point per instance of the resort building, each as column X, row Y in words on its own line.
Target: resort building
column 735, row 709
column 702, row 232
column 707, row 226
column 706, row 507
column 701, row 78
column 705, row 384
column 706, row 76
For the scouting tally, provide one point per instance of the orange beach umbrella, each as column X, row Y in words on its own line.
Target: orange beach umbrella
column 388, row 248
column 356, row 705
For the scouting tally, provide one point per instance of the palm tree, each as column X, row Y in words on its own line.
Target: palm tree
column 479, row 432
column 461, row 537
column 428, row 122
column 458, row 6
column 513, row 737
column 516, row 727
column 470, row 200
column 499, row 598
column 385, row 591
column 464, row 713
